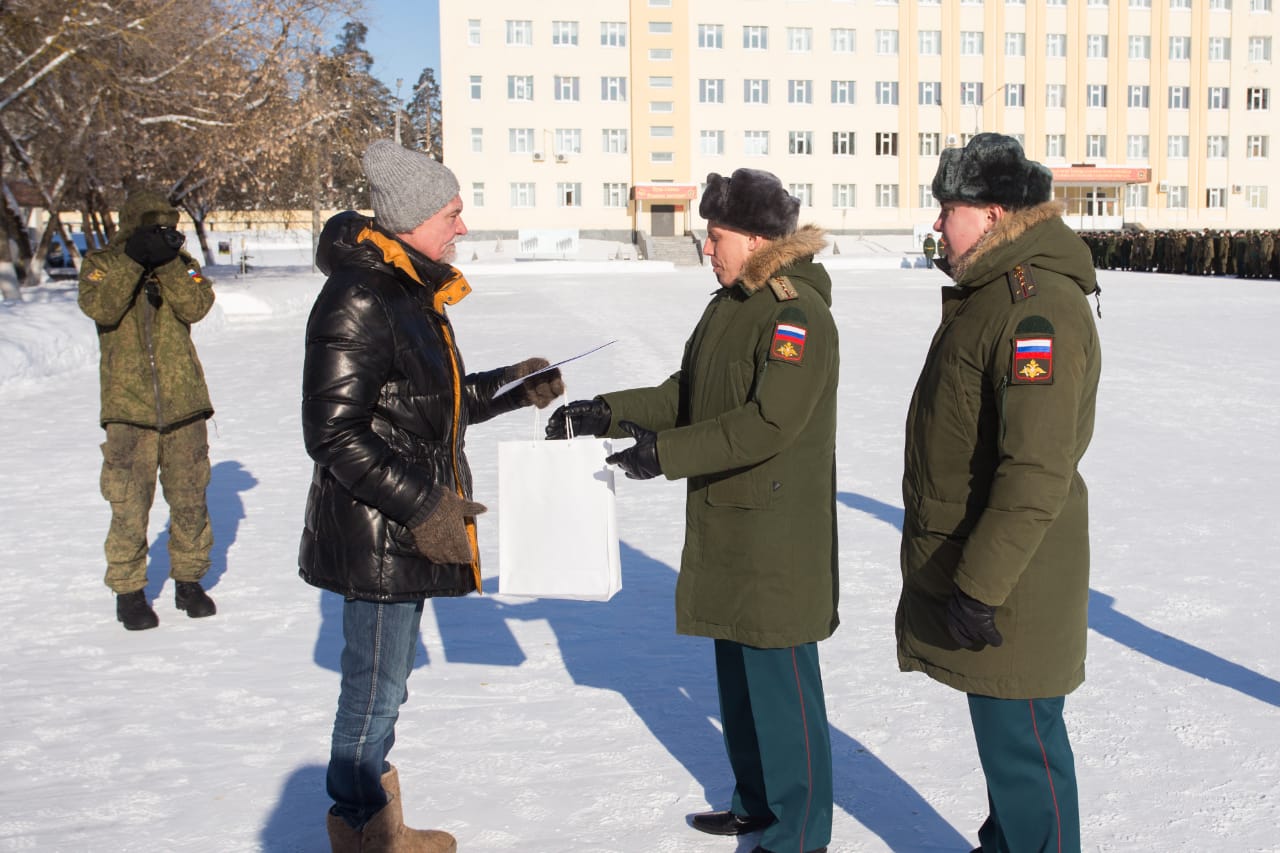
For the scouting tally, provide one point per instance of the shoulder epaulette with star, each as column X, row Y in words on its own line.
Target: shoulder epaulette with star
column 1021, row 283
column 783, row 289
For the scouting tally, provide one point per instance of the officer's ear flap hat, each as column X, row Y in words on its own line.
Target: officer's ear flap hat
column 751, row 201
column 991, row 169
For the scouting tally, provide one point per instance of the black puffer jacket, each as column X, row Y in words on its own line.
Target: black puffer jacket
column 385, row 408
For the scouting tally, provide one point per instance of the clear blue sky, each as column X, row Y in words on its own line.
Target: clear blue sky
column 403, row 39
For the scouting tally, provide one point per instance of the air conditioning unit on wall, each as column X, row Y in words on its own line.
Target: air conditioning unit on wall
column 537, row 157
column 1236, row 189
column 560, row 158
column 1163, row 187
column 952, row 139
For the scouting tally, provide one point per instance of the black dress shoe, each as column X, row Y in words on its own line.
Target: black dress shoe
column 728, row 823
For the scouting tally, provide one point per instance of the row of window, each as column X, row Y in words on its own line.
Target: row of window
column 568, row 89
column 524, row 140
column 523, row 194
column 845, row 40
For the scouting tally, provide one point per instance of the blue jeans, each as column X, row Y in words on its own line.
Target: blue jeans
column 381, row 641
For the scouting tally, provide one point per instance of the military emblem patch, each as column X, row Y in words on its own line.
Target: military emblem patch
column 1032, row 361
column 788, row 343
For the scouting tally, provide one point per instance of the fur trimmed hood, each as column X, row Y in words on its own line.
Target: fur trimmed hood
column 1053, row 246
column 1011, row 226
column 781, row 252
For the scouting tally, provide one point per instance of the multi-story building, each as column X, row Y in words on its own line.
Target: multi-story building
column 606, row 115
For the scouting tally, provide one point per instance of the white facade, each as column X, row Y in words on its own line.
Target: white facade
column 577, row 114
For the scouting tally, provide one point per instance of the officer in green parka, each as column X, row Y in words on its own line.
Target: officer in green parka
column 749, row 421
column 995, row 540
column 144, row 293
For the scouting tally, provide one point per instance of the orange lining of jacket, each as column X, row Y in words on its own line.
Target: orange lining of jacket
column 451, row 292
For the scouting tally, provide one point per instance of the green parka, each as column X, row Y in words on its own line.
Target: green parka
column 1001, row 415
column 151, row 376
column 750, row 421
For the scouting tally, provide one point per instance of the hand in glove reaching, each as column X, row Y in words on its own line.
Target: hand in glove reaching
column 441, row 537
column 640, row 461
column 154, row 246
column 972, row 624
column 587, row 417
column 537, row 390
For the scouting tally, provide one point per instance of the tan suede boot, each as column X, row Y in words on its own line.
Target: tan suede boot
column 342, row 838
column 386, row 833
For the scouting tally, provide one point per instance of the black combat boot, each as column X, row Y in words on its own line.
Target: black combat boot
column 132, row 609
column 189, row 596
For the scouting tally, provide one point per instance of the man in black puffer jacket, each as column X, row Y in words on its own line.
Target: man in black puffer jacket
column 389, row 519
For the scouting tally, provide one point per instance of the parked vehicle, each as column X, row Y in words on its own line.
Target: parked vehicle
column 58, row 263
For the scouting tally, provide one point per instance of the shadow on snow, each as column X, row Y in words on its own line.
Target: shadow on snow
column 629, row 646
column 227, row 480
column 1111, row 623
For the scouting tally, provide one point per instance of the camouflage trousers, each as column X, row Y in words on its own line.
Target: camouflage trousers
column 131, row 458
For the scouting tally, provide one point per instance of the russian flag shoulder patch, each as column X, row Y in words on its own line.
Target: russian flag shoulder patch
column 1032, row 360
column 788, row 343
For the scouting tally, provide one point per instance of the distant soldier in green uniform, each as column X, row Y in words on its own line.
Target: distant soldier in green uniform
column 930, row 249
column 145, row 292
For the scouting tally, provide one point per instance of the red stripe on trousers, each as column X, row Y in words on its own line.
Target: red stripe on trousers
column 1047, row 772
column 808, row 755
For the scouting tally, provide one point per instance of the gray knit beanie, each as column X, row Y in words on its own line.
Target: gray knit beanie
column 406, row 187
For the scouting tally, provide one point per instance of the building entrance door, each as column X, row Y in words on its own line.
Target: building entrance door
column 662, row 217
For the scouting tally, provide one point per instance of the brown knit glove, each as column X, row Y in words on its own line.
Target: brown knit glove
column 441, row 537
column 537, row 390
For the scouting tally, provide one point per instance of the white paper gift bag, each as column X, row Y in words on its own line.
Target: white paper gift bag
column 557, row 528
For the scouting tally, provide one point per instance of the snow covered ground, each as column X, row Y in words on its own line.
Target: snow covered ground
column 567, row 727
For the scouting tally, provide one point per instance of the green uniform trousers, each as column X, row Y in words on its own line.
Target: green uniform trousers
column 775, row 730
column 1031, row 776
column 131, row 457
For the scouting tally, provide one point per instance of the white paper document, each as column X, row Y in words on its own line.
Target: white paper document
column 513, row 383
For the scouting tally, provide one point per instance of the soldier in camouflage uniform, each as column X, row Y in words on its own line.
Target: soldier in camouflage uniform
column 144, row 293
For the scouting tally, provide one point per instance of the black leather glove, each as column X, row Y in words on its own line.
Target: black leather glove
column 537, row 390
column 972, row 624
column 154, row 246
column 588, row 417
column 640, row 460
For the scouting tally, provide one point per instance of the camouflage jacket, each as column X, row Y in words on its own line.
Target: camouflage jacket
column 151, row 376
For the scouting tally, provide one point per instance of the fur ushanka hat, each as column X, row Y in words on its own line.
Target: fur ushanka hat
column 752, row 201
column 991, row 169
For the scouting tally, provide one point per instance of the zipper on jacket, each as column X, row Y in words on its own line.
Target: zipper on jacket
column 148, row 327
column 470, row 527
column 1001, row 391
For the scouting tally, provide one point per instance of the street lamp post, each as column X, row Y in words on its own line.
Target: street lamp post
column 977, row 113
column 399, row 83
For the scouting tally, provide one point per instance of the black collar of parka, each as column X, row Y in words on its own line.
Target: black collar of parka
column 345, row 242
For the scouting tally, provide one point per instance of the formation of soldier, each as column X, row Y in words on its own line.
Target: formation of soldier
column 1239, row 253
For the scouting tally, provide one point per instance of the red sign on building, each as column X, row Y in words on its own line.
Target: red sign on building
column 1100, row 175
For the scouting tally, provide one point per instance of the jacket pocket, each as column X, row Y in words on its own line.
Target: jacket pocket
column 114, row 481
column 747, row 488
column 949, row 518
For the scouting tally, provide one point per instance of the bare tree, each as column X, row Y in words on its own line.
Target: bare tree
column 188, row 96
